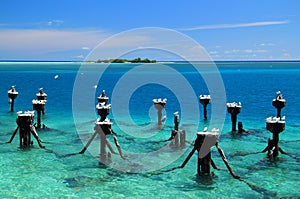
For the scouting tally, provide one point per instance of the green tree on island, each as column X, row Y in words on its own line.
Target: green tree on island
column 136, row 60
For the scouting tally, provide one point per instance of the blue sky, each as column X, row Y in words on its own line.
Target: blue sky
column 228, row 30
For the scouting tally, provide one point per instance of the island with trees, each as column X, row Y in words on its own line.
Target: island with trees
column 136, row 60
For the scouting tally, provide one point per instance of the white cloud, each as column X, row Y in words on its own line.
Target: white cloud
column 266, row 44
column 232, row 51
column 55, row 22
column 240, row 25
column 255, row 51
column 213, row 52
column 80, row 57
column 48, row 40
column 248, row 51
column 40, row 43
column 261, row 51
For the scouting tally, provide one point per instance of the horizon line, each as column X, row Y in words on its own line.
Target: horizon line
column 263, row 60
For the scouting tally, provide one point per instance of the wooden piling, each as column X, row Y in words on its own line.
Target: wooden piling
column 234, row 109
column 103, row 128
column 159, row 104
column 241, row 128
column 42, row 96
column 103, row 152
column 182, row 138
column 204, row 100
column 103, row 110
column 24, row 122
column 12, row 95
column 177, row 136
column 279, row 104
column 203, row 144
column 38, row 106
column 103, row 98
column 275, row 126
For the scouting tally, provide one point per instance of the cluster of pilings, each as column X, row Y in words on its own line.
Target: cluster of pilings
column 25, row 120
column 103, row 126
column 39, row 106
column 275, row 125
column 233, row 109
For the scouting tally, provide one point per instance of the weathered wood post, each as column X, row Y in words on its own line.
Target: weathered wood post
column 41, row 95
column 177, row 136
column 204, row 142
column 12, row 95
column 25, row 127
column 204, row 100
column 279, row 103
column 234, row 109
column 176, row 129
column 103, row 128
column 182, row 138
column 275, row 125
column 24, row 121
column 103, row 110
column 159, row 105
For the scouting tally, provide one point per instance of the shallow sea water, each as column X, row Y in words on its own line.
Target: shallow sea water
column 38, row 173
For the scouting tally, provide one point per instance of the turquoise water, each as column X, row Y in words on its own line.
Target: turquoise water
column 38, row 173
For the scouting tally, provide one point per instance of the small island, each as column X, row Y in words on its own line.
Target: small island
column 136, row 60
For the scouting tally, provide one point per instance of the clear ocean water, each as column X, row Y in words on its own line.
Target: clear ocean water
column 39, row 173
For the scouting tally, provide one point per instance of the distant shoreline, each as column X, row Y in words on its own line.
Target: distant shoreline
column 157, row 62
